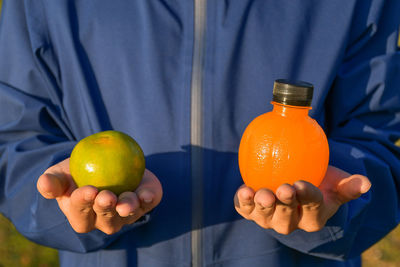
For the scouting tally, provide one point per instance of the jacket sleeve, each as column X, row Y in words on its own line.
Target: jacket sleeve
column 34, row 133
column 363, row 117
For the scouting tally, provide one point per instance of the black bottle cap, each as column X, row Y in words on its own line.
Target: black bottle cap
column 294, row 93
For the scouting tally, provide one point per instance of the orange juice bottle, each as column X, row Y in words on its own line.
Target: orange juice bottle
column 284, row 145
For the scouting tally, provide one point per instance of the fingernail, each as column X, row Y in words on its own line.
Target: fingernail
column 147, row 197
column 365, row 187
column 147, row 200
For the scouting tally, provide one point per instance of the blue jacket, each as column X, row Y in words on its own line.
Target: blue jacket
column 184, row 78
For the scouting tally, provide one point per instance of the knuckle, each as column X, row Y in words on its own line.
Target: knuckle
column 315, row 226
column 247, row 209
column 287, row 210
column 281, row 231
column 284, row 209
column 263, row 224
column 244, row 213
column 109, row 230
column 312, row 207
column 85, row 209
column 312, row 228
column 264, row 207
column 106, row 214
column 81, row 229
column 284, row 230
column 243, row 208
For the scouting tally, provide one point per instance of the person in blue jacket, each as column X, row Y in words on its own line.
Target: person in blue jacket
column 184, row 78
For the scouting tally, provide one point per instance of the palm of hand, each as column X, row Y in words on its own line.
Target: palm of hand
column 87, row 209
column 301, row 206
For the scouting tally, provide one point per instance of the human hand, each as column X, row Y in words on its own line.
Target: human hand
column 87, row 209
column 301, row 206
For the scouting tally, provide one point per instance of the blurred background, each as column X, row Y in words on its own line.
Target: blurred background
column 16, row 250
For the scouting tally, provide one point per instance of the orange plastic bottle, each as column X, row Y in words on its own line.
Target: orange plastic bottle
column 284, row 145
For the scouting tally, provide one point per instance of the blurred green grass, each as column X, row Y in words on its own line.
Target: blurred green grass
column 385, row 253
column 17, row 251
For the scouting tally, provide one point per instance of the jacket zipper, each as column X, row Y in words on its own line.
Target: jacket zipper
column 196, row 132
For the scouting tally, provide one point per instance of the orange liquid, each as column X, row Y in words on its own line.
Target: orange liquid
column 283, row 146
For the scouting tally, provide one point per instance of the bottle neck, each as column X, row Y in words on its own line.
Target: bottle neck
column 290, row 111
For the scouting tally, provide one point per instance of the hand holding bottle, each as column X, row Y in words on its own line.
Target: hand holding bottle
column 283, row 160
column 301, row 205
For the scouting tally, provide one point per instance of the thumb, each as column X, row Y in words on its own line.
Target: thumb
column 51, row 185
column 352, row 187
column 149, row 191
